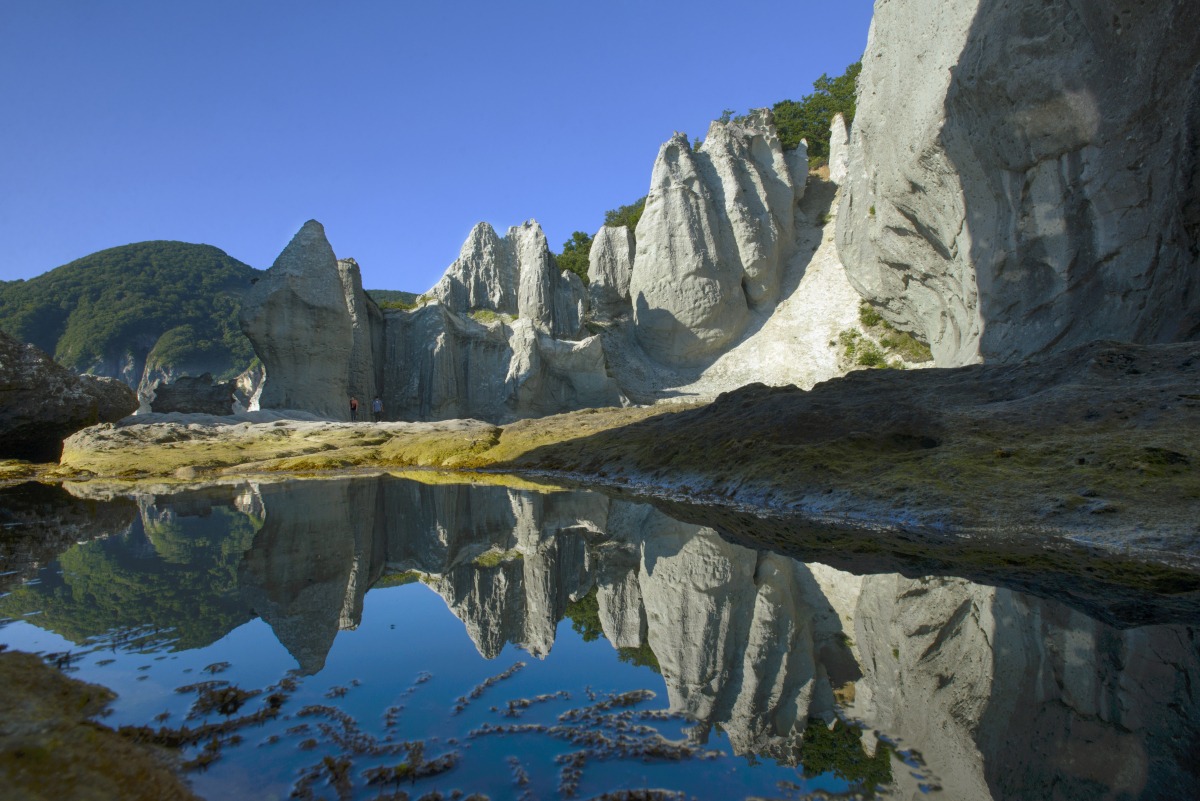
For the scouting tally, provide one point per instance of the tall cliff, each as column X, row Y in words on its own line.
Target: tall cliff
column 1025, row 177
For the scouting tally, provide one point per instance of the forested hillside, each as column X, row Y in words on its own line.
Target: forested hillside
column 136, row 308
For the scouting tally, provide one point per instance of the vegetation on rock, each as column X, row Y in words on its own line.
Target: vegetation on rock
column 575, row 253
column 394, row 299
column 810, row 117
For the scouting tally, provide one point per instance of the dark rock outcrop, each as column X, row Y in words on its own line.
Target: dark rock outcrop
column 189, row 394
column 42, row 403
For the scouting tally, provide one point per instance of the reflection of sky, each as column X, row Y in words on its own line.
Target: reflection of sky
column 405, row 631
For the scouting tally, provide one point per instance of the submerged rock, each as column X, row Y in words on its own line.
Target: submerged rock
column 1025, row 177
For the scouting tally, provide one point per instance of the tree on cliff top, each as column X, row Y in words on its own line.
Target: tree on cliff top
column 809, row 118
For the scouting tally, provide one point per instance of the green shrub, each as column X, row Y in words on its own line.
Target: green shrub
column 869, row 355
column 484, row 316
column 907, row 347
column 626, row 215
column 868, row 316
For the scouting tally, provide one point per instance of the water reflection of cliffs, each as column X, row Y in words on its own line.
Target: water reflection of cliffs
column 1006, row 695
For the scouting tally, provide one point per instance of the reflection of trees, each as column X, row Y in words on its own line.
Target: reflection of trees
column 177, row 580
column 584, row 615
column 839, row 750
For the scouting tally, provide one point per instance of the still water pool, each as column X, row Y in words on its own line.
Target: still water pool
column 381, row 637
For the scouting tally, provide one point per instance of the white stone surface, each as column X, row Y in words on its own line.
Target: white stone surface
column 297, row 320
column 715, row 233
column 1025, row 178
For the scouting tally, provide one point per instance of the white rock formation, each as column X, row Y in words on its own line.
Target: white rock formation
column 839, row 150
column 715, row 233
column 610, row 265
column 439, row 366
column 1025, row 177
column 297, row 320
column 485, row 275
column 366, row 323
column 515, row 275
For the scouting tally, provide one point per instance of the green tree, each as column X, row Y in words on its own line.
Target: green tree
column 809, row 118
column 574, row 256
column 626, row 215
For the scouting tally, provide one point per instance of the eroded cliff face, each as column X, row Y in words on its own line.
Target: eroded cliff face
column 716, row 231
column 502, row 341
column 297, row 319
column 1024, row 176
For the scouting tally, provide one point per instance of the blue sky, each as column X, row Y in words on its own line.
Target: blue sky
column 398, row 125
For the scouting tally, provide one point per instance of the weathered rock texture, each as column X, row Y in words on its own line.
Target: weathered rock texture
column 839, row 150
column 297, row 319
column 42, row 402
column 610, row 264
column 311, row 325
column 194, row 394
column 1025, row 176
column 365, row 376
column 502, row 342
column 715, row 233
column 515, row 275
column 440, row 365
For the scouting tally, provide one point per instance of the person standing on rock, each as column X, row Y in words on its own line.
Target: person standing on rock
column 353, row 409
column 377, row 409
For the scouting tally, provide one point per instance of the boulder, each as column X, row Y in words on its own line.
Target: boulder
column 42, row 402
column 1025, row 177
column 298, row 321
column 712, row 241
column 194, row 394
column 610, row 264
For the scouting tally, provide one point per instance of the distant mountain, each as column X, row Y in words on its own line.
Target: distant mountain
column 137, row 312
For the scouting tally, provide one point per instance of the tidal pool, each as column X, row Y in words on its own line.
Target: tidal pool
column 379, row 637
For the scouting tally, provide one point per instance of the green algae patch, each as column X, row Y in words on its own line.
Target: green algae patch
column 494, row 557
column 454, row 477
column 51, row 748
column 17, row 470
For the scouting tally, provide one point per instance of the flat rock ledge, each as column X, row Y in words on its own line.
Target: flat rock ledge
column 1099, row 446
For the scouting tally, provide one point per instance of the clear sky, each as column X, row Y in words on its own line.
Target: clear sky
column 397, row 124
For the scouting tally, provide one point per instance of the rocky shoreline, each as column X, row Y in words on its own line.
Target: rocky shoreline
column 1092, row 448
